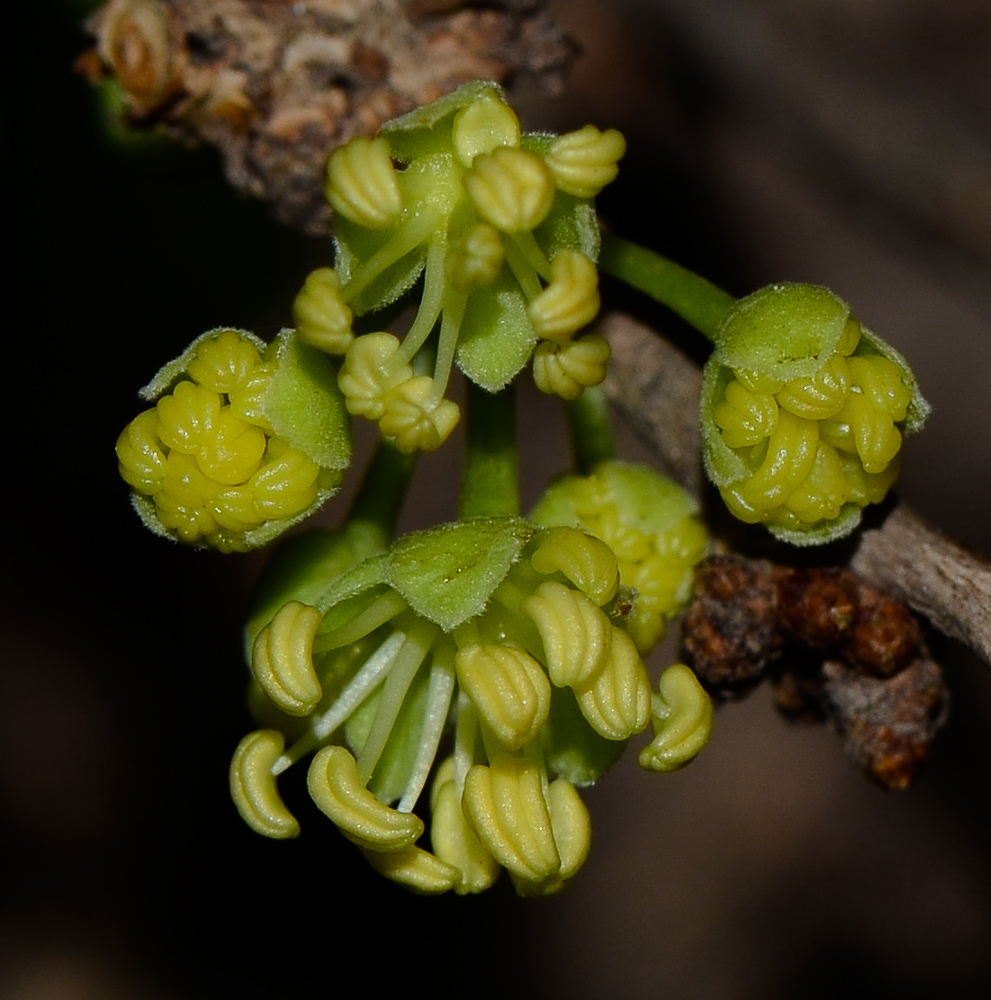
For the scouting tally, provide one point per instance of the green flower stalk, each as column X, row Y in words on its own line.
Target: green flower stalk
column 507, row 634
column 501, row 226
column 803, row 413
column 243, row 441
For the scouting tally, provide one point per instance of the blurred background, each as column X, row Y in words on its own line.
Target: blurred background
column 843, row 142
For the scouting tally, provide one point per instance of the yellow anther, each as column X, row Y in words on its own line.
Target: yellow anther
column 584, row 162
column 746, row 417
column 234, row 450
column 417, row 869
column 340, row 794
column 616, row 702
column 476, row 258
column 508, row 687
column 682, row 721
column 791, row 453
column 483, row 126
column 880, row 381
column 454, row 840
column 584, row 560
column 505, row 803
column 570, row 301
column 566, row 369
column 247, row 399
column 511, row 188
column 416, row 417
column 849, row 338
column 253, row 785
column 576, row 634
column 758, row 382
column 224, row 362
column 876, row 438
column 571, row 826
column 286, row 485
column 362, row 183
column 824, row 491
column 282, row 659
column 865, row 487
column 819, row 396
column 187, row 416
column 140, row 453
column 369, row 372
column 320, row 315
column 234, row 509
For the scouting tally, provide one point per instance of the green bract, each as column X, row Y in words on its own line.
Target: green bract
column 803, row 413
column 244, row 440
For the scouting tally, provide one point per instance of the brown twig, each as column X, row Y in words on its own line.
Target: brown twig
column 656, row 388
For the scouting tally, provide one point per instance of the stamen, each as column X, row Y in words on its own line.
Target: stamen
column 430, row 304
column 382, row 609
column 440, row 688
column 361, row 686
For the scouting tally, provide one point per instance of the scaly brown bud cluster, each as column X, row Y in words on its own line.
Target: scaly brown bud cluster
column 834, row 648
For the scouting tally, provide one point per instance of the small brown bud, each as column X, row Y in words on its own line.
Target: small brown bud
column 818, row 606
column 886, row 636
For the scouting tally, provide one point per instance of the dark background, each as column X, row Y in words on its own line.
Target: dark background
column 845, row 143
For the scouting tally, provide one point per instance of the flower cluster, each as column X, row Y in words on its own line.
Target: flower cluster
column 242, row 441
column 803, row 413
column 514, row 633
column 651, row 525
column 502, row 228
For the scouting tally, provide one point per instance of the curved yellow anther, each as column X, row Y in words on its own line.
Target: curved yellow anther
column 340, row 794
column 362, row 183
column 253, row 785
column 187, row 416
column 369, row 372
column 476, row 258
column 286, row 485
column 824, row 491
column 224, row 362
column 485, row 125
column 584, row 560
column 791, row 453
column 417, row 869
column 880, row 381
column 744, row 417
column 511, row 188
column 682, row 721
column 248, row 399
column 282, row 659
column 576, row 634
column 876, row 438
column 233, row 452
column 572, row 830
column 616, row 702
column 820, row 396
column 505, row 803
column 320, row 314
column 508, row 687
column 454, row 839
column 416, row 416
column 140, row 453
column 584, row 162
column 570, row 301
column 865, row 487
column 566, row 369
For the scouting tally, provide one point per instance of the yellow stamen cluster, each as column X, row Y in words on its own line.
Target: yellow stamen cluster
column 375, row 684
column 649, row 525
column 484, row 212
column 205, row 463
column 814, row 444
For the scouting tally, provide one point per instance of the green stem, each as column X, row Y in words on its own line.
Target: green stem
column 694, row 299
column 490, row 486
column 371, row 521
column 590, row 429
